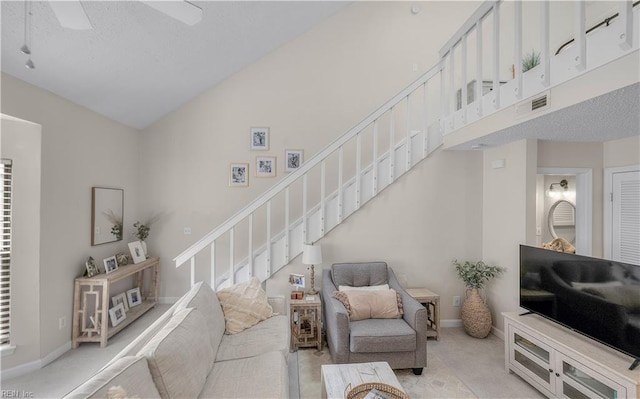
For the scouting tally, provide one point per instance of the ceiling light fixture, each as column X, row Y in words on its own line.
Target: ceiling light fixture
column 26, row 47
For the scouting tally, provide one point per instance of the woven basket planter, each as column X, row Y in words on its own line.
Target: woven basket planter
column 476, row 316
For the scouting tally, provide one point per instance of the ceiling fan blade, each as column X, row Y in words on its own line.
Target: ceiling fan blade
column 183, row 11
column 71, row 14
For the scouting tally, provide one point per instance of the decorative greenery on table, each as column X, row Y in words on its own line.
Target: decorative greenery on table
column 142, row 230
column 476, row 275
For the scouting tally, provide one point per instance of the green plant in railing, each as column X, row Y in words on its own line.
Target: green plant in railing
column 530, row 60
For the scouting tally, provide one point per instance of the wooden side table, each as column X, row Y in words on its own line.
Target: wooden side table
column 305, row 316
column 432, row 303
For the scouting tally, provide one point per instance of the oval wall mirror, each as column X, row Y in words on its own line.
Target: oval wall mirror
column 562, row 220
column 107, row 215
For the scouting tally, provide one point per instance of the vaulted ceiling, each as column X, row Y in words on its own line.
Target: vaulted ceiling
column 137, row 64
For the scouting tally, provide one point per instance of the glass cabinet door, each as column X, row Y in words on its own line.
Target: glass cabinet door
column 579, row 382
column 532, row 357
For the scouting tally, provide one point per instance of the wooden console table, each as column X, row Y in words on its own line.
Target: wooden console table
column 92, row 298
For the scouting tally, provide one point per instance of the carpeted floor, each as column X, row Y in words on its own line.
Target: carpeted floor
column 458, row 366
column 438, row 381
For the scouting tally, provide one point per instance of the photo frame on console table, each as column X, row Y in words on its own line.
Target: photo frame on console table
column 117, row 314
column 110, row 264
column 121, row 298
column 137, row 252
column 134, row 297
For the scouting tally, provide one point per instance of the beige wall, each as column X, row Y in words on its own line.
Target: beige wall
column 80, row 149
column 623, row 152
column 309, row 92
column 20, row 141
column 508, row 215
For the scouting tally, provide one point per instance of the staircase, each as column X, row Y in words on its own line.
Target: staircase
column 308, row 203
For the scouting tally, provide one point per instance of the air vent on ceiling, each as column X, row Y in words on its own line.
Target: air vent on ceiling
column 534, row 104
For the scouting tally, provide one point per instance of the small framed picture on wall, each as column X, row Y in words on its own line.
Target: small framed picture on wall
column 293, row 159
column 260, row 138
column 265, row 166
column 239, row 175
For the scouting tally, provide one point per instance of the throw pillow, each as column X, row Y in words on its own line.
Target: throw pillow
column 363, row 305
column 342, row 297
column 244, row 305
column 383, row 287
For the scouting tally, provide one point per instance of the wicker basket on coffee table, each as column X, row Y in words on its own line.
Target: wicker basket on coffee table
column 360, row 391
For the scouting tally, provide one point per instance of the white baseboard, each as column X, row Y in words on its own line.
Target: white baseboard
column 36, row 364
column 451, row 323
column 56, row 353
column 458, row 323
column 21, row 369
column 497, row 333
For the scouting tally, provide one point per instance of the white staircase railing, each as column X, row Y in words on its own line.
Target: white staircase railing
column 352, row 189
column 354, row 168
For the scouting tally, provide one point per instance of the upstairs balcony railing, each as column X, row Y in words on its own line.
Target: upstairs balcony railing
column 305, row 205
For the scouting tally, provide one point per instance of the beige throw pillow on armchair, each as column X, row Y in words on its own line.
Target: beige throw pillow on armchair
column 372, row 304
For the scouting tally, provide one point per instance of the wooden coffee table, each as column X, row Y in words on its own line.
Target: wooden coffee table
column 337, row 377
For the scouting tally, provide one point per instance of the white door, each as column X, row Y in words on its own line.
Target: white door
column 625, row 217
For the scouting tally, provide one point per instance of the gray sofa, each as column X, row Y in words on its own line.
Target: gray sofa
column 400, row 342
column 185, row 354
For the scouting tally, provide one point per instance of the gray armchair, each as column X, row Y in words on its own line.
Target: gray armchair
column 400, row 342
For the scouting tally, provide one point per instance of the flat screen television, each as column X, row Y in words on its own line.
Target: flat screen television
column 596, row 297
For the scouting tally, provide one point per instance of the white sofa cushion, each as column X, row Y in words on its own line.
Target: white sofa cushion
column 206, row 301
column 131, row 373
column 180, row 355
column 264, row 376
column 268, row 335
column 140, row 341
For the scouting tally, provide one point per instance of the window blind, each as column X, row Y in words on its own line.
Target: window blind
column 5, row 253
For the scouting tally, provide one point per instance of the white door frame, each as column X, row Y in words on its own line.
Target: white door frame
column 608, row 205
column 584, row 210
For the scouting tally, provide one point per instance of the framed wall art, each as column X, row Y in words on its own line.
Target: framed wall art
column 265, row 166
column 239, row 175
column 260, row 138
column 293, row 159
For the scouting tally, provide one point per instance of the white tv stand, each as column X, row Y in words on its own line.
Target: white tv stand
column 562, row 363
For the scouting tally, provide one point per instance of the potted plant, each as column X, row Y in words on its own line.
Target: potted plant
column 142, row 232
column 475, row 314
column 530, row 60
